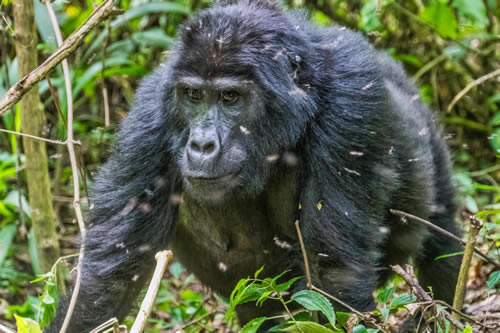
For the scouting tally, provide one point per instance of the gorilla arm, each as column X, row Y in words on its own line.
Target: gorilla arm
column 131, row 215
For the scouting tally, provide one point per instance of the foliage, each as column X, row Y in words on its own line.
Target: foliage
column 445, row 45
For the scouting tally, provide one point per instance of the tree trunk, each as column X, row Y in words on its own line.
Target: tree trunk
column 33, row 122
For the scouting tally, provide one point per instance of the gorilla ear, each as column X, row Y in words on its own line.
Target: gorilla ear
column 270, row 4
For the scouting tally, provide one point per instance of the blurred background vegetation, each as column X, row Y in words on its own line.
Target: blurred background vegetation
column 443, row 45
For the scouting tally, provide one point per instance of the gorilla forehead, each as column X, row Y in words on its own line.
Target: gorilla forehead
column 231, row 40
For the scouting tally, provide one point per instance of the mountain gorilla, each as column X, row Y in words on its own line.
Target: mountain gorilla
column 259, row 119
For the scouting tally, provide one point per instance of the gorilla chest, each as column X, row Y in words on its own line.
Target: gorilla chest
column 222, row 245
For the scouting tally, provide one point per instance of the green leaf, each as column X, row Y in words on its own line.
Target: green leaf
column 442, row 18
column 241, row 283
column 385, row 295
column 449, row 255
column 264, row 297
column 253, row 325
column 176, row 269
column 307, row 326
column 26, row 325
column 286, row 285
column 493, row 280
column 6, row 236
column 314, row 301
column 402, row 299
column 258, row 272
column 47, row 299
column 471, row 204
column 385, row 313
column 472, row 12
column 319, row 205
column 359, row 329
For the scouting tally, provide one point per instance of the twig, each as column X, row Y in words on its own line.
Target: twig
column 304, row 254
column 458, row 300
column 4, row 329
column 113, row 322
column 408, row 275
column 444, row 232
column 57, row 142
column 472, row 85
column 17, row 91
column 104, row 88
column 194, row 321
column 484, row 172
column 428, row 66
column 71, row 148
column 162, row 259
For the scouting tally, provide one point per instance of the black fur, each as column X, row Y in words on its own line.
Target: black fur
column 329, row 132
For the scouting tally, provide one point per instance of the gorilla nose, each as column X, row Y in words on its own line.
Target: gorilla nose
column 202, row 149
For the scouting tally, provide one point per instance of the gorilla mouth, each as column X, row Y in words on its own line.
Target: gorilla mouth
column 212, row 179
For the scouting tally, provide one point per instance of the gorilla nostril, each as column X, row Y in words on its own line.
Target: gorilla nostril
column 195, row 146
column 208, row 148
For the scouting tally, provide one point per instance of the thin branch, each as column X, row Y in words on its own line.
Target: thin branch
column 458, row 300
column 472, row 85
column 484, row 172
column 162, row 259
column 57, row 142
column 104, row 88
column 428, row 66
column 113, row 322
column 108, row 5
column 408, row 275
column 16, row 92
column 194, row 321
column 304, row 254
column 444, row 232
column 4, row 329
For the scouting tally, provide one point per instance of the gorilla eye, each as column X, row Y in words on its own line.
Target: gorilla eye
column 193, row 94
column 229, row 97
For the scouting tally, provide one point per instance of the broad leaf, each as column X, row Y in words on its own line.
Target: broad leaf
column 314, row 301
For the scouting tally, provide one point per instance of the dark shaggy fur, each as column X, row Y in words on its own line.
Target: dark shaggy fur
column 328, row 120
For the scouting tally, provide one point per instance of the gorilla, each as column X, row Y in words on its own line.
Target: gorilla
column 259, row 119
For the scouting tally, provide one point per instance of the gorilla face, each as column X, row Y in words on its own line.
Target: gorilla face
column 214, row 161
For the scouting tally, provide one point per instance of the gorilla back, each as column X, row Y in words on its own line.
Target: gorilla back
column 256, row 118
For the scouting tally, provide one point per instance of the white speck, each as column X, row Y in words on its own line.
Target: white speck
column 414, row 98
column 367, row 86
column 120, row 245
column 281, row 243
column 383, row 230
column 222, row 267
column 323, row 255
column 176, row 199
column 391, row 150
column 244, row 130
column 135, row 277
column 352, row 171
column 272, row 158
column 422, row 132
column 356, row 153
